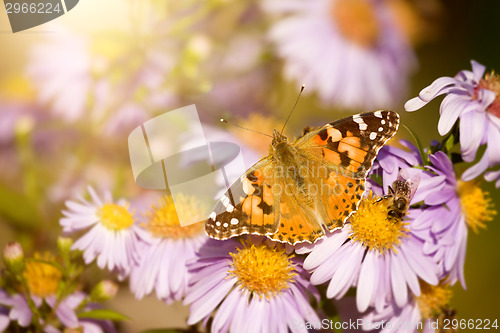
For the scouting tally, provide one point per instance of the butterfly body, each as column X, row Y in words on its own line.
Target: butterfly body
column 302, row 188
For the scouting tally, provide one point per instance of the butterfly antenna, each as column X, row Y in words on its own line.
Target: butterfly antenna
column 290, row 114
column 222, row 120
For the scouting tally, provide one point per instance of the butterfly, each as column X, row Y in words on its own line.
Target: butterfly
column 302, row 188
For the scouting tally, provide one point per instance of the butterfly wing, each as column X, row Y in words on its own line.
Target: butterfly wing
column 247, row 206
column 341, row 153
column 298, row 220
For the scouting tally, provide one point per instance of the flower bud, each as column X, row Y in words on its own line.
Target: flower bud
column 105, row 290
column 64, row 244
column 13, row 257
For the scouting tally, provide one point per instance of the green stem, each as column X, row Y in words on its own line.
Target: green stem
column 423, row 156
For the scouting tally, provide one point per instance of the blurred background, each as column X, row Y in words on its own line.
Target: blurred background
column 72, row 90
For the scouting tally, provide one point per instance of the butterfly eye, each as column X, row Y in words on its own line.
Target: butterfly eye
column 392, row 213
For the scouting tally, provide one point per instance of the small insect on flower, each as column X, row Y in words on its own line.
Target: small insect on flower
column 400, row 194
column 381, row 258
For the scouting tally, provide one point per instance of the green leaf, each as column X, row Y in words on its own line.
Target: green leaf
column 377, row 179
column 103, row 314
column 449, row 142
column 423, row 155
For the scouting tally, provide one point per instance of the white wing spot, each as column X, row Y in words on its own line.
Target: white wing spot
column 363, row 126
column 380, row 129
column 225, row 201
column 234, row 221
column 382, row 122
column 373, row 135
column 378, row 114
column 217, row 223
column 230, row 208
column 225, row 225
column 357, row 119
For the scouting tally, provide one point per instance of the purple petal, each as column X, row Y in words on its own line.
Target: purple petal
column 366, row 282
column 420, row 264
column 399, row 289
column 476, row 169
column 451, row 107
column 212, row 282
column 478, row 70
column 493, row 175
column 225, row 311
column 493, row 149
column 441, row 162
column 438, row 87
column 346, row 270
column 20, row 310
column 472, row 128
column 238, row 323
column 203, row 306
column 325, row 250
column 414, row 104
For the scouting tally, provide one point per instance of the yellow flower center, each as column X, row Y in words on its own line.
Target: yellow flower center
column 371, row 226
column 164, row 222
column 42, row 278
column 115, row 217
column 476, row 205
column 433, row 299
column 417, row 24
column 16, row 87
column 491, row 81
column 356, row 21
column 262, row 270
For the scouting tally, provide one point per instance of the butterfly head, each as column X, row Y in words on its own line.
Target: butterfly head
column 278, row 138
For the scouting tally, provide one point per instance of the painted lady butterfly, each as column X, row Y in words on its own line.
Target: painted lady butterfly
column 289, row 195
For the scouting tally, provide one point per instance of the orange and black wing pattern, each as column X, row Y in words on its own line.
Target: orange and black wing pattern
column 340, row 155
column 248, row 205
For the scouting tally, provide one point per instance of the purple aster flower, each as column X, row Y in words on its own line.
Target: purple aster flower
column 391, row 159
column 165, row 254
column 61, row 69
column 43, row 281
column 384, row 259
column 417, row 315
column 235, row 281
column 443, row 223
column 4, row 310
column 343, row 49
column 113, row 237
column 471, row 97
column 19, row 309
column 65, row 313
column 71, row 74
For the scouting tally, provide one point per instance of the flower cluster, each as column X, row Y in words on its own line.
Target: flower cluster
column 42, row 293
